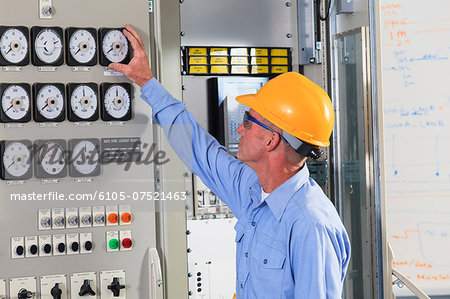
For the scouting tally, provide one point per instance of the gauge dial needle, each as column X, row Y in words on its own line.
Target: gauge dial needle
column 44, row 106
column 9, row 108
column 77, row 51
column 84, row 94
column 11, row 164
column 109, row 50
column 10, row 49
column 117, row 91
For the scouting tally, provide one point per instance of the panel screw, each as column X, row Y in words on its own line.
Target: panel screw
column 183, row 33
column 181, row 1
column 288, row 35
column 288, row 4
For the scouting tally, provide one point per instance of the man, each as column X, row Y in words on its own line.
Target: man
column 290, row 241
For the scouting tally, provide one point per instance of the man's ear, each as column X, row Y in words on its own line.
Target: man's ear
column 273, row 142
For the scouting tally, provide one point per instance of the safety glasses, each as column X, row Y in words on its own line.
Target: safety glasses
column 248, row 118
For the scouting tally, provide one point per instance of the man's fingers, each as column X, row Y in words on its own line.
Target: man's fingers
column 135, row 34
column 118, row 67
column 134, row 42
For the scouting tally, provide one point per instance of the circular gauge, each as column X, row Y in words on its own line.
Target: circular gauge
column 15, row 102
column 83, row 101
column 85, row 157
column 116, row 101
column 50, row 102
column 13, row 46
column 16, row 159
column 51, row 158
column 115, row 46
column 48, row 45
column 82, row 46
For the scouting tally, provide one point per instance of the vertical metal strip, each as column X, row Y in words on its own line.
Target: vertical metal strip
column 383, row 272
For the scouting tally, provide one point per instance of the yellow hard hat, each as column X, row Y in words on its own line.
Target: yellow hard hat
column 296, row 105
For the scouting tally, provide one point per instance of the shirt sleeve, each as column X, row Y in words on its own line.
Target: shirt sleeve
column 226, row 176
column 319, row 261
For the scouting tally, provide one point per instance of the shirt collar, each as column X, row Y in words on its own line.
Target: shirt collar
column 280, row 197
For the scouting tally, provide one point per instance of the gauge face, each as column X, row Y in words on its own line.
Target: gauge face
column 16, row 159
column 50, row 102
column 82, row 46
column 83, row 101
column 14, row 46
column 51, row 158
column 15, row 102
column 115, row 46
column 117, row 102
column 85, row 158
column 48, row 45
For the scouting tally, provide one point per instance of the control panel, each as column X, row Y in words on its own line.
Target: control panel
column 75, row 153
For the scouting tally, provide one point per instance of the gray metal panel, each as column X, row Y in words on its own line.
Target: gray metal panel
column 20, row 218
column 171, row 218
column 308, row 50
column 263, row 23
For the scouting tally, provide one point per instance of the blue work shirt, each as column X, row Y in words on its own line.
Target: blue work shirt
column 291, row 245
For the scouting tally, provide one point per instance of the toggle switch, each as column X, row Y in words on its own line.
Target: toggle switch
column 115, row 287
column 86, row 289
column 24, row 294
column 56, row 291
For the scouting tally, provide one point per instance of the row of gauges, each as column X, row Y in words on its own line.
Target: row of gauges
column 48, row 46
column 49, row 102
column 51, row 158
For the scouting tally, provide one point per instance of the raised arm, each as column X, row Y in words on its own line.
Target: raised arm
column 226, row 176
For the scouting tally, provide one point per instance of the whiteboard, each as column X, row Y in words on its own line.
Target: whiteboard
column 415, row 50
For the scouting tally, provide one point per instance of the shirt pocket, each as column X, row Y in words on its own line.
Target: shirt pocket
column 269, row 257
column 270, row 269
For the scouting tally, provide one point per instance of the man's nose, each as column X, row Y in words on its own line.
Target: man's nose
column 240, row 129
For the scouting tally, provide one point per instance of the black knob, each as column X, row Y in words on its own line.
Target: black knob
column 47, row 248
column 33, row 249
column 56, row 292
column 115, row 287
column 86, row 289
column 74, row 246
column 88, row 245
column 19, row 250
column 61, row 247
column 24, row 294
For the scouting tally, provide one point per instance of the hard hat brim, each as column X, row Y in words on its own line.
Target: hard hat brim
column 248, row 100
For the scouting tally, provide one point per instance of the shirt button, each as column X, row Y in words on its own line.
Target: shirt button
column 265, row 261
column 253, row 223
column 246, row 254
column 242, row 286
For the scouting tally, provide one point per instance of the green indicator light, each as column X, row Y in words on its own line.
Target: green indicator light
column 113, row 243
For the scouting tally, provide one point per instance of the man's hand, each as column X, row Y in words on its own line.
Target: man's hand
column 138, row 70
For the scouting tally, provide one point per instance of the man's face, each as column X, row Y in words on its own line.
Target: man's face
column 253, row 139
